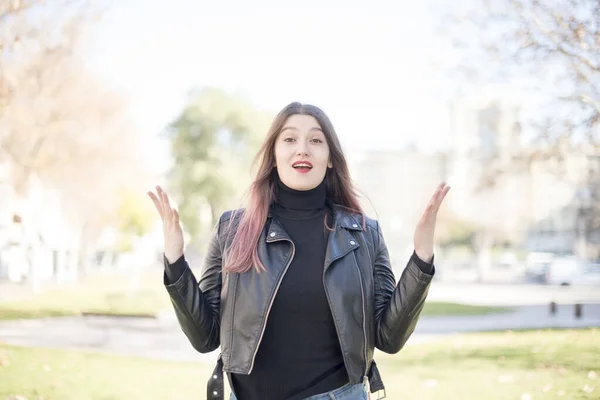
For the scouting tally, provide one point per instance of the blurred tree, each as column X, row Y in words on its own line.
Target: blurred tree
column 552, row 48
column 454, row 231
column 213, row 142
column 134, row 218
column 9, row 38
column 551, row 52
column 58, row 121
column 55, row 115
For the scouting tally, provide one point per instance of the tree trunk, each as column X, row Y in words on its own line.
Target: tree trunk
column 483, row 245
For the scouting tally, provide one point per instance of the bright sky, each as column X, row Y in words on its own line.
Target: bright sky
column 368, row 66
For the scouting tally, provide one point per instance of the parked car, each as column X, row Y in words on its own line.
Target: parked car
column 564, row 271
column 536, row 266
column 590, row 275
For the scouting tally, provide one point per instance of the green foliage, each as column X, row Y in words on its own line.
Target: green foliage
column 135, row 215
column 457, row 233
column 213, row 142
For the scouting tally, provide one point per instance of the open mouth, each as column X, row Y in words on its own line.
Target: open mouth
column 302, row 166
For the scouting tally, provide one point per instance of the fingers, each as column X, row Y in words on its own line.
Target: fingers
column 166, row 205
column 162, row 204
column 444, row 193
column 438, row 196
column 175, row 216
column 157, row 204
column 434, row 199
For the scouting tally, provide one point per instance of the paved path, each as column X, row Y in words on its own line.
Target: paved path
column 526, row 317
column 159, row 338
column 512, row 294
column 163, row 339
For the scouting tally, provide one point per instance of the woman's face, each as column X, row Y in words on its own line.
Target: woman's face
column 301, row 153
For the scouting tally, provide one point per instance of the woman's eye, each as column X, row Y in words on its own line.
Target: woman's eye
column 288, row 139
column 317, row 140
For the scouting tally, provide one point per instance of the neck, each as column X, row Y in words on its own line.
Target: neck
column 289, row 198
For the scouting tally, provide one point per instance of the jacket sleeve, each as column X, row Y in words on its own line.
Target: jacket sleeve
column 397, row 306
column 197, row 304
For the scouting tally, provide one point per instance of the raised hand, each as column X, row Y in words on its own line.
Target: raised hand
column 426, row 226
column 172, row 229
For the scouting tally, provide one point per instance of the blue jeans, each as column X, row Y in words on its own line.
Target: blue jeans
column 356, row 391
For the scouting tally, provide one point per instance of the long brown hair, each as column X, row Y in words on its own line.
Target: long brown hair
column 340, row 191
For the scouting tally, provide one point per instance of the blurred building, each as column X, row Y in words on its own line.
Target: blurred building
column 562, row 206
column 492, row 188
column 397, row 186
column 37, row 241
column 537, row 205
column 510, row 200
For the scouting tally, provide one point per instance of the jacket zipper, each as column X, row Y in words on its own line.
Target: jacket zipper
column 362, row 295
column 235, row 277
column 337, row 329
column 271, row 301
column 365, row 378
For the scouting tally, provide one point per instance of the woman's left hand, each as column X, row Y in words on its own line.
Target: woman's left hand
column 426, row 226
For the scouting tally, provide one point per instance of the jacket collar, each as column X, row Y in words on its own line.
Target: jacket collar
column 342, row 218
column 341, row 240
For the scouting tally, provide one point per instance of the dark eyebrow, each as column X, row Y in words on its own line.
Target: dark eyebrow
column 293, row 128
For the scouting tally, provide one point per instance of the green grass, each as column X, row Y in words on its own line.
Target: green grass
column 113, row 295
column 71, row 375
column 550, row 364
column 438, row 309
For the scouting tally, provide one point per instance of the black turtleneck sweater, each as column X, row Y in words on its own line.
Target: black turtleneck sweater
column 299, row 355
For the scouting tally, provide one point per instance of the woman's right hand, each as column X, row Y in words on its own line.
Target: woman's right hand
column 172, row 229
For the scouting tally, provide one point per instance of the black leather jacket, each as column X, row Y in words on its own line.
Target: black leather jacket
column 369, row 309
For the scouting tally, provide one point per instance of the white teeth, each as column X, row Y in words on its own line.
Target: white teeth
column 301, row 165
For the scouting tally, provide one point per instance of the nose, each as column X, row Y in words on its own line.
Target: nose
column 302, row 149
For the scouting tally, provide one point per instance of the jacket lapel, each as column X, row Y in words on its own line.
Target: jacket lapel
column 342, row 240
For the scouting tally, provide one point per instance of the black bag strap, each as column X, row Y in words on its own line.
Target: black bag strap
column 215, row 388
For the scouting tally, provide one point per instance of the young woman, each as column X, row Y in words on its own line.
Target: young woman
column 297, row 288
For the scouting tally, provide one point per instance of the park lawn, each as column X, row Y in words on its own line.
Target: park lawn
column 146, row 296
column 522, row 365
column 525, row 365
column 110, row 294
column 433, row 309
